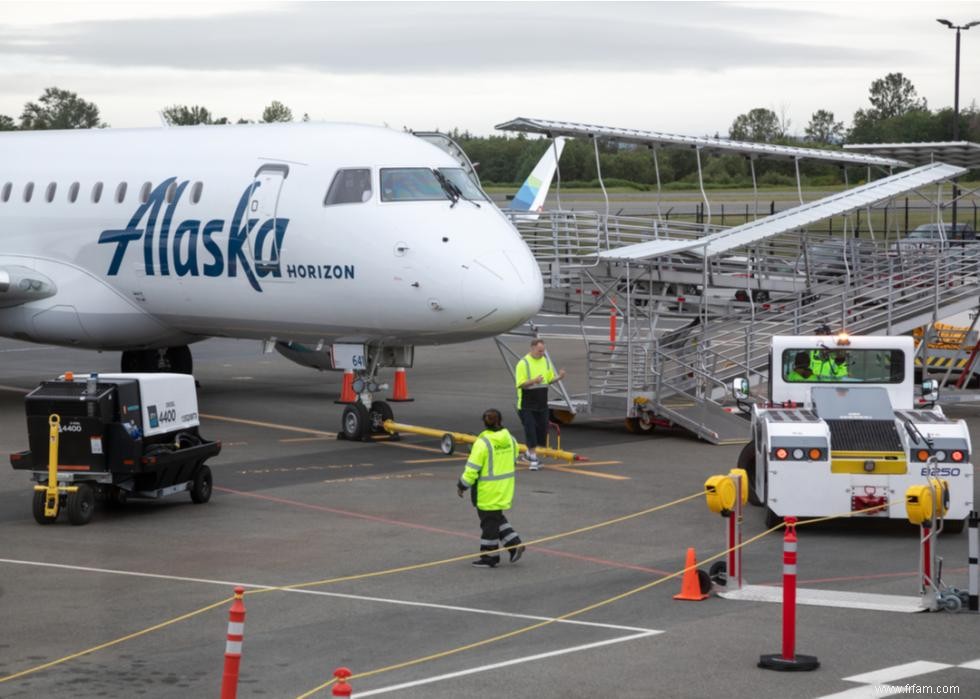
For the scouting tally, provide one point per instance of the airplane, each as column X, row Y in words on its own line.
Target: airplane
column 358, row 239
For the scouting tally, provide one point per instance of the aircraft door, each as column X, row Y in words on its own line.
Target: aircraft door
column 264, row 205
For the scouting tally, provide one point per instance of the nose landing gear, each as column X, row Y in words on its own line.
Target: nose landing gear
column 365, row 417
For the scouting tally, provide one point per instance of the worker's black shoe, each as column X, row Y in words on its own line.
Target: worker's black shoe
column 515, row 554
column 484, row 563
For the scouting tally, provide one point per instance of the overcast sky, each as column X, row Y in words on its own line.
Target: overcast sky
column 687, row 68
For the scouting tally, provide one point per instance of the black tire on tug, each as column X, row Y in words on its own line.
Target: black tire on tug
column 953, row 526
column 704, row 582
column 202, row 485
column 37, row 506
column 746, row 461
column 379, row 412
column 772, row 519
column 81, row 505
column 355, row 422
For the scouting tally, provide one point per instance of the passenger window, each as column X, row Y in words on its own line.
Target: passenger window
column 171, row 192
column 121, row 193
column 410, row 184
column 73, row 192
column 28, row 191
column 351, row 186
column 96, row 192
column 5, row 195
column 145, row 192
column 196, row 192
column 50, row 192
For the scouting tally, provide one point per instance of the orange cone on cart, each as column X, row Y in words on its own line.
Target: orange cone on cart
column 347, row 394
column 691, row 586
column 401, row 387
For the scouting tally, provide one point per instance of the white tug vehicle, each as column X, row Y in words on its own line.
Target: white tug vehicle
column 842, row 431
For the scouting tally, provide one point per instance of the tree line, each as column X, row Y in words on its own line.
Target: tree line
column 895, row 114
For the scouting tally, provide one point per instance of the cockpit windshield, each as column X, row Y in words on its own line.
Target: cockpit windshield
column 466, row 186
column 410, row 184
column 843, row 365
column 426, row 184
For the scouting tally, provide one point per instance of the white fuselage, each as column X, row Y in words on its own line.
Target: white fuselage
column 223, row 231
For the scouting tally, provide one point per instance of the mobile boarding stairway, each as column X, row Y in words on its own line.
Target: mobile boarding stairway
column 682, row 330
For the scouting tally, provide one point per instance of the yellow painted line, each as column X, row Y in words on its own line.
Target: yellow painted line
column 601, row 463
column 569, row 469
column 382, row 477
column 446, row 459
column 270, row 425
column 291, row 440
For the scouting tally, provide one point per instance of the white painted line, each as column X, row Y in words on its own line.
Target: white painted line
column 340, row 595
column 898, row 672
column 472, row 610
column 971, row 665
column 497, row 666
column 868, row 691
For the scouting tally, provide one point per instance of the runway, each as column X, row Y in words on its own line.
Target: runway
column 357, row 555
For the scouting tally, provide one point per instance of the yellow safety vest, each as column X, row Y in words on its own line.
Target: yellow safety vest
column 527, row 369
column 490, row 469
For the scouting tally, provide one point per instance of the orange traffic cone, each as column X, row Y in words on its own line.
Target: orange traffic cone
column 401, row 388
column 347, row 394
column 691, row 585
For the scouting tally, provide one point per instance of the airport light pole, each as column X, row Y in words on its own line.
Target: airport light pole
column 956, row 96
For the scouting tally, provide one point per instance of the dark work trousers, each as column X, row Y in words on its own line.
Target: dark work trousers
column 494, row 529
column 535, row 427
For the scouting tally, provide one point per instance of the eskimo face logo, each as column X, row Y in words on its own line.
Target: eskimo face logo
column 248, row 239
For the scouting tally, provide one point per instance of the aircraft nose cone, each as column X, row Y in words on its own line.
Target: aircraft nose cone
column 502, row 289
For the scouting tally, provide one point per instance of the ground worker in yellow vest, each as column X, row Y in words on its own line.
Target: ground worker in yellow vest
column 533, row 374
column 489, row 474
column 828, row 366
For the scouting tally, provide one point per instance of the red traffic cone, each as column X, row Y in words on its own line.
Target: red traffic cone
column 691, row 584
column 347, row 394
column 401, row 388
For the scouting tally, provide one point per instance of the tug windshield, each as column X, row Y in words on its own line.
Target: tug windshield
column 843, row 365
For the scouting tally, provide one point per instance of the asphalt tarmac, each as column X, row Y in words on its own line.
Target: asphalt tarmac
column 95, row 611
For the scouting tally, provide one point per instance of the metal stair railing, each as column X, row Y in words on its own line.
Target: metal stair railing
column 892, row 295
column 565, row 241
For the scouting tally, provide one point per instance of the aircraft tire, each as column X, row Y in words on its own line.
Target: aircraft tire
column 355, row 424
column 179, row 359
column 379, row 412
